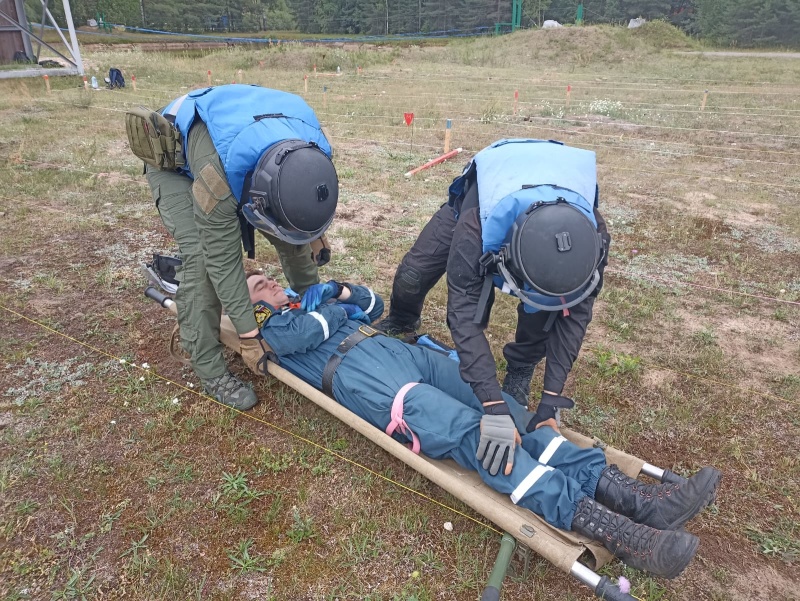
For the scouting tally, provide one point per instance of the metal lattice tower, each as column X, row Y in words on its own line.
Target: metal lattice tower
column 16, row 37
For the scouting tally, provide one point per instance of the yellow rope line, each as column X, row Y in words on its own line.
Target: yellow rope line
column 258, row 419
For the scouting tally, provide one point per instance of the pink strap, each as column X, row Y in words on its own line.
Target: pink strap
column 397, row 417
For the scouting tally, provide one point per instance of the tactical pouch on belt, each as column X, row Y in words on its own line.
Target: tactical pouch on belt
column 153, row 138
column 320, row 251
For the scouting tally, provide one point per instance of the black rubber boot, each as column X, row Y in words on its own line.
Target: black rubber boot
column 517, row 382
column 392, row 326
column 663, row 553
column 663, row 506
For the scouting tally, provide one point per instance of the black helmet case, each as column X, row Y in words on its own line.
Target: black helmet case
column 293, row 192
column 555, row 249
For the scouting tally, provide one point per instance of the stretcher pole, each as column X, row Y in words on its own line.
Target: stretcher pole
column 602, row 586
column 662, row 475
column 492, row 591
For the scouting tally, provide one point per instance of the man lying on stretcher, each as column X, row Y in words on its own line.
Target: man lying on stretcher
column 417, row 396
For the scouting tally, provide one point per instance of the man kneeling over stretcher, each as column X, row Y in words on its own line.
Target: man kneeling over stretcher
column 417, row 396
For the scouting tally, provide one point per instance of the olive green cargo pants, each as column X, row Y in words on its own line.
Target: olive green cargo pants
column 201, row 216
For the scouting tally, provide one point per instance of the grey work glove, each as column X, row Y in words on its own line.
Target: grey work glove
column 499, row 437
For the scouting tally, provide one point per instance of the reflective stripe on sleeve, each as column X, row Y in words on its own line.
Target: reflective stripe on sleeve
column 323, row 322
column 550, row 450
column 522, row 489
column 371, row 301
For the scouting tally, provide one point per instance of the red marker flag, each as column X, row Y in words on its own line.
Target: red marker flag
column 409, row 117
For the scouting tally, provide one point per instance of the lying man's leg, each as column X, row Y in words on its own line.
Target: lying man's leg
column 563, row 497
column 664, row 506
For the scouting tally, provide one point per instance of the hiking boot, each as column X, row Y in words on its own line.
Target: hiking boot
column 664, row 506
column 517, row 382
column 661, row 552
column 392, row 326
column 231, row 391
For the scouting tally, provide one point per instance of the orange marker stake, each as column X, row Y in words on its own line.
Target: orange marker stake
column 85, row 83
column 569, row 93
column 705, row 98
column 436, row 161
column 305, row 84
column 133, row 81
column 516, row 98
column 209, row 77
column 47, row 83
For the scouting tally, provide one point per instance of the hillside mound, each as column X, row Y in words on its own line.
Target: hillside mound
column 579, row 46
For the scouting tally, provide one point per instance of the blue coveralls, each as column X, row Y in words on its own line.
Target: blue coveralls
column 550, row 475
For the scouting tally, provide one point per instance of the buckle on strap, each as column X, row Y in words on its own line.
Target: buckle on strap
column 487, row 262
column 368, row 331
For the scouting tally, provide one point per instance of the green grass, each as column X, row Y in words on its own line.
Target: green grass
column 114, row 480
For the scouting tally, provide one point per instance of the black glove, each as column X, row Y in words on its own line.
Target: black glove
column 549, row 408
column 499, row 438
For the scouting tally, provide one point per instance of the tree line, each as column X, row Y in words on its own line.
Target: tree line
column 728, row 22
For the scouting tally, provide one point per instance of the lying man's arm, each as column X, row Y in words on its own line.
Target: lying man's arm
column 332, row 292
column 363, row 297
column 296, row 331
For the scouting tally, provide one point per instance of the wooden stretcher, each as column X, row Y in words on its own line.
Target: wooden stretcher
column 572, row 554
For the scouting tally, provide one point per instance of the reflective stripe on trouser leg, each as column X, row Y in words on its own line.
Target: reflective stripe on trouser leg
column 523, row 487
column 199, row 308
column 583, row 465
column 549, row 494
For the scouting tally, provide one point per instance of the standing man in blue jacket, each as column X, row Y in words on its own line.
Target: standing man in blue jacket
column 417, row 396
column 247, row 157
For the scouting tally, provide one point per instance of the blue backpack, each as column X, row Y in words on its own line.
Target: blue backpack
column 115, row 79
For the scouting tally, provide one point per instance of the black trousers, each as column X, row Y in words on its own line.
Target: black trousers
column 426, row 262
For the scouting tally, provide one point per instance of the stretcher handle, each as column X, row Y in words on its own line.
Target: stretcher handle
column 609, row 591
column 492, row 591
column 161, row 299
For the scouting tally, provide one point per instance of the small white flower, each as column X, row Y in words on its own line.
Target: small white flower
column 175, row 401
column 122, row 361
column 145, row 366
column 448, row 526
column 113, row 421
column 191, row 385
column 141, row 379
